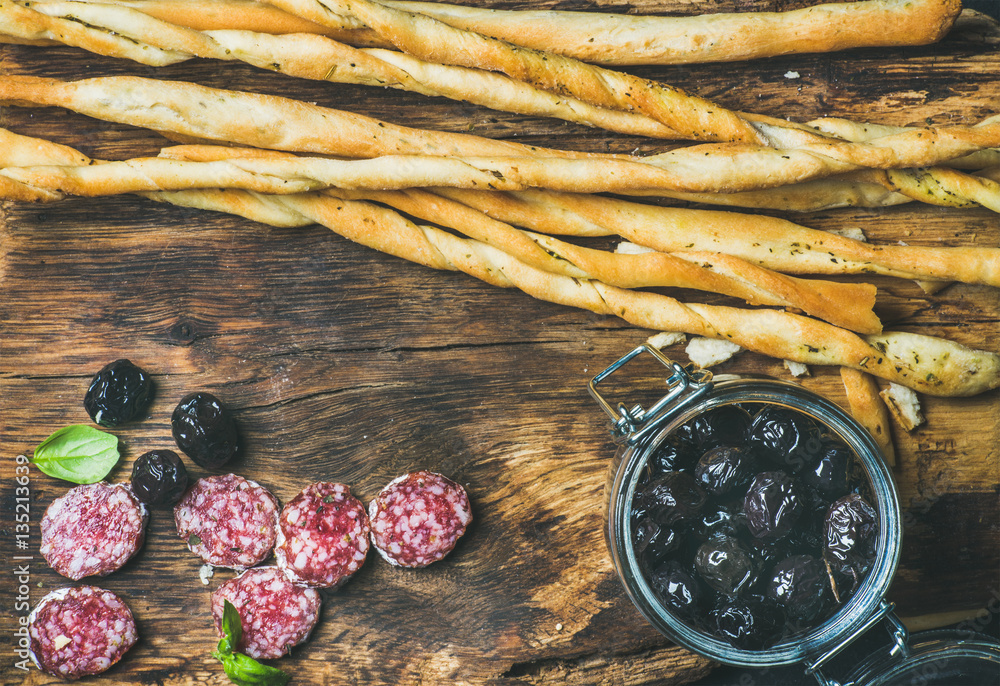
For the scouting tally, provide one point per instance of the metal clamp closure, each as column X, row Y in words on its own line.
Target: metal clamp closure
column 900, row 636
column 681, row 384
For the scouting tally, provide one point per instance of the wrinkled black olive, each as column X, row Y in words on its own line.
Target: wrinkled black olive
column 749, row 623
column 726, row 425
column 655, row 543
column 676, row 588
column 726, row 565
column 159, row 477
column 720, row 520
column 673, row 498
column 205, row 430
column 801, row 586
column 831, row 475
column 851, row 532
column 674, row 453
column 724, row 469
column 786, row 439
column 119, row 393
column 773, row 505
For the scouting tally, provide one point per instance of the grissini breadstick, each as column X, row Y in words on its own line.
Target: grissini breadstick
column 931, row 365
column 619, row 39
column 867, row 407
column 130, row 34
column 421, row 36
column 279, row 123
column 775, row 243
column 264, row 121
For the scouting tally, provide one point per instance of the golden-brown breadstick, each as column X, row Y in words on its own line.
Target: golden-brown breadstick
column 930, row 365
column 775, row 243
column 867, row 407
column 621, row 39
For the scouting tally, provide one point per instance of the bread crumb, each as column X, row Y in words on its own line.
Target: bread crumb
column 665, row 339
column 205, row 573
column 904, row 405
column 852, row 232
column 626, row 248
column 796, row 368
column 706, row 352
column 792, row 75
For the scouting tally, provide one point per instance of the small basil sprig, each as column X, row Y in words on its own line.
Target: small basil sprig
column 77, row 453
column 242, row 669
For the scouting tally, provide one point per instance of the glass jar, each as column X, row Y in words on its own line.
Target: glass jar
column 691, row 393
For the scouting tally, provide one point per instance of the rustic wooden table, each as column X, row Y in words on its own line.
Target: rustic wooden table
column 345, row 364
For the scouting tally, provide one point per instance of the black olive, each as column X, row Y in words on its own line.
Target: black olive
column 851, row 532
column 159, row 477
column 672, row 498
column 724, row 469
column 787, row 439
column 205, row 430
column 801, row 586
column 654, row 543
column 726, row 425
column 674, row 453
column 677, row 589
column 749, row 623
column 831, row 476
column 726, row 565
column 718, row 520
column 119, row 393
column 773, row 504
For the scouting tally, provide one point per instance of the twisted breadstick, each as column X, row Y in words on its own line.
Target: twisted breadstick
column 927, row 364
column 130, row 34
column 616, row 38
column 280, row 123
column 775, row 243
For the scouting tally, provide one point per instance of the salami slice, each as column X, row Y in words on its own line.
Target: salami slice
column 228, row 521
column 93, row 530
column 418, row 518
column 322, row 536
column 275, row 613
column 77, row 632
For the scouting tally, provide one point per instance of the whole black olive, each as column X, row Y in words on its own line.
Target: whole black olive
column 677, row 589
column 851, row 531
column 773, row 504
column 724, row 469
column 718, row 520
column 749, row 623
column 726, row 565
column 726, row 425
column 119, row 393
column 159, row 477
column 831, row 476
column 672, row 498
column 801, row 586
column 675, row 453
column 204, row 430
column 655, row 543
column 786, row 439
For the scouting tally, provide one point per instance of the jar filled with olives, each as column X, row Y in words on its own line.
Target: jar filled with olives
column 749, row 519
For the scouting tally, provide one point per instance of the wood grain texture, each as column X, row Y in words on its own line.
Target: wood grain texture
column 343, row 364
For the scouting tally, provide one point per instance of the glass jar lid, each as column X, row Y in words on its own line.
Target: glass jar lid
column 932, row 658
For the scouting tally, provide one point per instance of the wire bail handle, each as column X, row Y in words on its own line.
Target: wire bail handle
column 683, row 385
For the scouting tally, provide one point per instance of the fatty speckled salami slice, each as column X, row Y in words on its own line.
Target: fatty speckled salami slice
column 275, row 613
column 418, row 518
column 228, row 521
column 322, row 536
column 93, row 530
column 76, row 632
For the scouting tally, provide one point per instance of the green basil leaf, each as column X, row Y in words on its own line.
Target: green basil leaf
column 246, row 671
column 77, row 453
column 232, row 625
